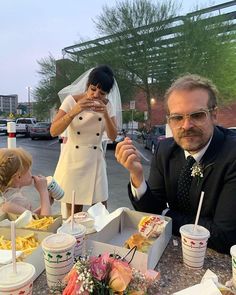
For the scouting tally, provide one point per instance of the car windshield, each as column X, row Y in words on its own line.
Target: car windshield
column 159, row 130
column 3, row 122
column 25, row 121
column 42, row 124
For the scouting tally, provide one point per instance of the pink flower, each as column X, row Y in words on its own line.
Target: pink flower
column 120, row 275
column 99, row 266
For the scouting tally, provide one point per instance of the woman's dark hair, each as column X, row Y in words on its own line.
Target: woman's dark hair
column 102, row 77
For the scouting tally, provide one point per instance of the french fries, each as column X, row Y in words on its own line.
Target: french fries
column 42, row 223
column 25, row 244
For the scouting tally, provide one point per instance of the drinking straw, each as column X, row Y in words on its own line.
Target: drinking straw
column 72, row 210
column 198, row 211
column 13, row 245
column 142, row 155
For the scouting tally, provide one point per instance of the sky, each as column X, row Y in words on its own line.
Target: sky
column 31, row 30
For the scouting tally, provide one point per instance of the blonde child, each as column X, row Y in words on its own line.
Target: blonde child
column 15, row 172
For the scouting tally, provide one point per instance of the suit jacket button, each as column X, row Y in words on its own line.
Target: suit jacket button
column 76, row 146
column 78, row 132
column 99, row 119
column 97, row 134
column 81, row 118
column 95, row 147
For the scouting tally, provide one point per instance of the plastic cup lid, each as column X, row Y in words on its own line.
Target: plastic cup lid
column 60, row 241
column 9, row 280
column 201, row 232
column 78, row 229
column 233, row 251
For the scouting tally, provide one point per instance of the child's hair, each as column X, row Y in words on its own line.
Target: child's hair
column 12, row 161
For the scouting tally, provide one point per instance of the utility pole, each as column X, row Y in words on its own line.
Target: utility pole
column 29, row 103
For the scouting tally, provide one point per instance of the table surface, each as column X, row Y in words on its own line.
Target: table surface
column 174, row 275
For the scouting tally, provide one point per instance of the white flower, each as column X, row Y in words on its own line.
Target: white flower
column 197, row 171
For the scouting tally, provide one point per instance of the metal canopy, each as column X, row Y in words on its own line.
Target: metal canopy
column 164, row 41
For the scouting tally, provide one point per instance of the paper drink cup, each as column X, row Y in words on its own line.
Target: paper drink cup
column 17, row 283
column 58, row 252
column 233, row 254
column 194, row 244
column 53, row 187
column 78, row 232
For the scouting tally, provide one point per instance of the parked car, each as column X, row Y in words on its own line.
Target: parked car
column 23, row 125
column 233, row 130
column 40, row 130
column 157, row 133
column 3, row 125
column 112, row 144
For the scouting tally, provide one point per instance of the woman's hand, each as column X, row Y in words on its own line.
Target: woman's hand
column 99, row 106
column 83, row 103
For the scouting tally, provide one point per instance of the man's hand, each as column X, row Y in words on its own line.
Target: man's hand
column 127, row 155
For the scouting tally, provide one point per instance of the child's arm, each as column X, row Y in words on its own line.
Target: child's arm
column 10, row 207
column 40, row 183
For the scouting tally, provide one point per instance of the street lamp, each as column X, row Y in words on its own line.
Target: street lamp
column 29, row 104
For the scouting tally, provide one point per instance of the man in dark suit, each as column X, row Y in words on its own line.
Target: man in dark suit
column 191, row 107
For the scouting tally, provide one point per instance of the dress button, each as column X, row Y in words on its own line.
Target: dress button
column 99, row 119
column 97, row 134
column 95, row 147
column 76, row 146
column 78, row 132
column 81, row 118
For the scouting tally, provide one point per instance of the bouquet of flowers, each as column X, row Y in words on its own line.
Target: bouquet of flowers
column 107, row 275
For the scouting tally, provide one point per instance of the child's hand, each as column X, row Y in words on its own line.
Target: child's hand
column 51, row 199
column 40, row 183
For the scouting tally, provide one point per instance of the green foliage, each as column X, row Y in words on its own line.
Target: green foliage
column 206, row 48
column 147, row 51
column 130, row 47
column 137, row 116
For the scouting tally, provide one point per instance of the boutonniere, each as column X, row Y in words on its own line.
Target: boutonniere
column 198, row 169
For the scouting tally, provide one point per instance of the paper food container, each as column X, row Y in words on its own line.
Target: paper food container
column 52, row 228
column 113, row 236
column 36, row 257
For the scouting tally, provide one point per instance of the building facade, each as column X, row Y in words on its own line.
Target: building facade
column 8, row 103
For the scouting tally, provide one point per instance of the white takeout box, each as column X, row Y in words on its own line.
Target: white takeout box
column 113, row 236
column 52, row 228
column 36, row 257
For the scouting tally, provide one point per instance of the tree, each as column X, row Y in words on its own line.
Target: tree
column 55, row 75
column 134, row 40
column 205, row 46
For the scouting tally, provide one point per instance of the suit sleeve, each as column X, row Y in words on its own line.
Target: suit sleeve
column 154, row 200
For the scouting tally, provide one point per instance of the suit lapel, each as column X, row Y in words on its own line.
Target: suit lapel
column 207, row 162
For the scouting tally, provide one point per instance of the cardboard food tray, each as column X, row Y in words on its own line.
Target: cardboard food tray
column 36, row 257
column 113, row 236
column 52, row 228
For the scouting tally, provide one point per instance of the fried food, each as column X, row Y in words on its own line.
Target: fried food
column 139, row 241
column 42, row 223
column 26, row 244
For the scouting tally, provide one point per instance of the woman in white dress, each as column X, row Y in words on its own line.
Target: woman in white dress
column 87, row 112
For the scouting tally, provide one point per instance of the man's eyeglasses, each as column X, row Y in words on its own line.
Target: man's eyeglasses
column 198, row 117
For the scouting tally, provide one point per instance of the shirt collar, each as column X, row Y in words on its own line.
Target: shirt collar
column 199, row 154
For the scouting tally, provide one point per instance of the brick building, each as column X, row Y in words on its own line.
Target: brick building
column 226, row 114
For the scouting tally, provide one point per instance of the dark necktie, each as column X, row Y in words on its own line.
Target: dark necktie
column 184, row 183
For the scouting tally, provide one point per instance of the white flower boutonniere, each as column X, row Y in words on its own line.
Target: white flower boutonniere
column 198, row 169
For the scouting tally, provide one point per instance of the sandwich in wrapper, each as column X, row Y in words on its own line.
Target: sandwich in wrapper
column 149, row 227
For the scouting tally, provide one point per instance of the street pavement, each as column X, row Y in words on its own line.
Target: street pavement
column 45, row 155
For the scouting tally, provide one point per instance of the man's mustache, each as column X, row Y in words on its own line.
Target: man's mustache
column 192, row 132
